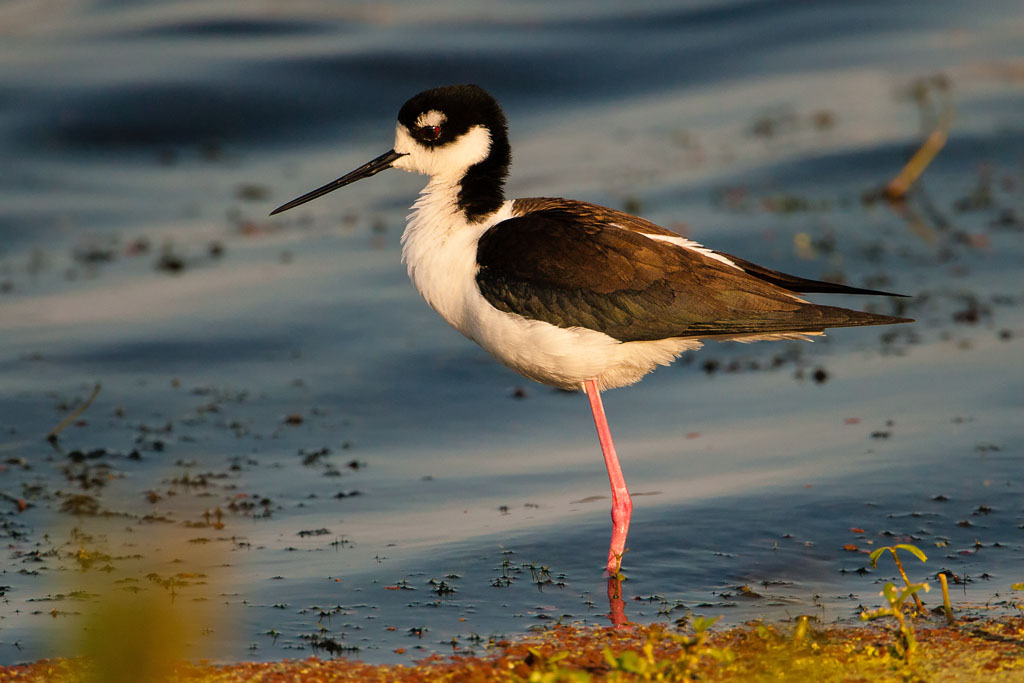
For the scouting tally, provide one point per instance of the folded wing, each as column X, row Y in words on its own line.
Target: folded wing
column 573, row 264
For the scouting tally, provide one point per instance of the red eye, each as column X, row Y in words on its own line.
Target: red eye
column 430, row 132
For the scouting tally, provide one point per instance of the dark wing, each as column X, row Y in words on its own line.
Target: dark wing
column 593, row 213
column 800, row 284
column 571, row 268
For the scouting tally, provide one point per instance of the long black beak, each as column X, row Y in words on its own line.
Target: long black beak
column 365, row 171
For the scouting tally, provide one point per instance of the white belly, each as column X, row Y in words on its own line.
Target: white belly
column 566, row 357
column 440, row 253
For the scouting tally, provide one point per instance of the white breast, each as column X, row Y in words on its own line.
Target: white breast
column 439, row 249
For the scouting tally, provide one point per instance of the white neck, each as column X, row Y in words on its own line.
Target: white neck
column 439, row 248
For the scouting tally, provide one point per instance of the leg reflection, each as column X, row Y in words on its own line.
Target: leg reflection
column 616, row 605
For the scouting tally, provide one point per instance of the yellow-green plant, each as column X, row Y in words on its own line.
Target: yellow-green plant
column 645, row 666
column 896, row 598
column 546, row 669
column 913, row 550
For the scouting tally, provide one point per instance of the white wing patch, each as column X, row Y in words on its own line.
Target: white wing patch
column 681, row 241
column 694, row 246
column 768, row 336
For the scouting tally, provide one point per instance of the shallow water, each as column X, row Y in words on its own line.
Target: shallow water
column 284, row 372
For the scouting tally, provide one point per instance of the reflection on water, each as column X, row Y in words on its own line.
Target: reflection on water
column 290, row 441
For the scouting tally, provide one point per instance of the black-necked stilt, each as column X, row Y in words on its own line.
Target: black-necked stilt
column 571, row 294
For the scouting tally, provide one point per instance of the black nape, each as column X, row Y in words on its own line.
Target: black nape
column 482, row 190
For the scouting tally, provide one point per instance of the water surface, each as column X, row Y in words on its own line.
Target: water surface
column 382, row 485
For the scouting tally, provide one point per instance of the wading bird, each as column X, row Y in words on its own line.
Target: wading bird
column 571, row 294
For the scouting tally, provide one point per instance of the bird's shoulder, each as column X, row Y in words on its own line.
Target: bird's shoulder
column 582, row 245
column 585, row 213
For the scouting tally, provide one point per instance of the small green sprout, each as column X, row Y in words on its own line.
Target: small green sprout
column 896, row 598
column 913, row 550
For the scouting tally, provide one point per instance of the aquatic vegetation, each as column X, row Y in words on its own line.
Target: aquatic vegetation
column 914, row 550
column 648, row 667
column 897, row 598
column 73, row 415
column 988, row 650
column 920, row 91
column 946, row 607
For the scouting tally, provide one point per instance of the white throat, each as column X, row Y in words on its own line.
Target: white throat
column 439, row 249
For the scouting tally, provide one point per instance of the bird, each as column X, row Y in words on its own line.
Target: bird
column 568, row 293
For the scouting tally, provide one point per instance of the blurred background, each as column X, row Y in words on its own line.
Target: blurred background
column 259, row 426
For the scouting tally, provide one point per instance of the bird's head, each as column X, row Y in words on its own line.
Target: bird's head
column 455, row 133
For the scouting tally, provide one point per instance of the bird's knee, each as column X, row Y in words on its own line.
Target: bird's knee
column 622, row 510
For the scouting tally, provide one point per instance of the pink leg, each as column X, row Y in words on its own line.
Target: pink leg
column 622, row 504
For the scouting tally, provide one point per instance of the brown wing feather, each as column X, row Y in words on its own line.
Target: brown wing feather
column 594, row 212
column 563, row 263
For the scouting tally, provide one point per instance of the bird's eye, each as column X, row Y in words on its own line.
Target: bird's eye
column 429, row 132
